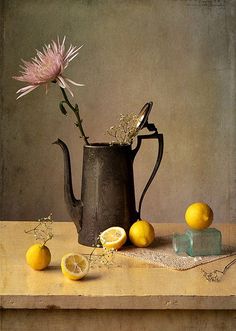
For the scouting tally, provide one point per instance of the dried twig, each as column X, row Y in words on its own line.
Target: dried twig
column 104, row 258
column 43, row 230
column 216, row 275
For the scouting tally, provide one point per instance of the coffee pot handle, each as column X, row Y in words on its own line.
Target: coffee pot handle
column 155, row 135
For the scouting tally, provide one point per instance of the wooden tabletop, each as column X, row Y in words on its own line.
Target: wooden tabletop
column 127, row 284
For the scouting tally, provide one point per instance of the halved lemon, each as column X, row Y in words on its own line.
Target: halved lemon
column 74, row 266
column 113, row 238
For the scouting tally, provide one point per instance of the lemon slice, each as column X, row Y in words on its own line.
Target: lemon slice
column 74, row 266
column 113, row 238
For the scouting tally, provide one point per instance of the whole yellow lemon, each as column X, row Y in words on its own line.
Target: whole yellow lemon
column 141, row 233
column 199, row 216
column 38, row 256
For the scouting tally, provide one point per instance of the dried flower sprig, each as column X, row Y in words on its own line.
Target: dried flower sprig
column 43, row 230
column 216, row 275
column 104, row 258
column 125, row 131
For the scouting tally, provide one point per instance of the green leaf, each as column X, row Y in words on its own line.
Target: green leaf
column 62, row 108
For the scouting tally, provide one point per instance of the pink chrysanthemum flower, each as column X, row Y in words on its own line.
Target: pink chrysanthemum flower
column 48, row 66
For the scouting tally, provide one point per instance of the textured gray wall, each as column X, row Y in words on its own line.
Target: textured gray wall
column 178, row 53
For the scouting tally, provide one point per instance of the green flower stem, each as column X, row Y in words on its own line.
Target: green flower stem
column 76, row 111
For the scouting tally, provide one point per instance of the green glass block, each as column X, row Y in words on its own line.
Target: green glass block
column 198, row 242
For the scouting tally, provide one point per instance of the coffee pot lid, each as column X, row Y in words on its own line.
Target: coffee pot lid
column 143, row 116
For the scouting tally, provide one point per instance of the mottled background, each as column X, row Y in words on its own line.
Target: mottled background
column 178, row 53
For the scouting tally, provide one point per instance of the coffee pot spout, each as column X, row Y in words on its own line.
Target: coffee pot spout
column 74, row 206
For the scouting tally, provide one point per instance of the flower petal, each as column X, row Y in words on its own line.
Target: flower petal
column 61, row 81
column 72, row 82
column 25, row 90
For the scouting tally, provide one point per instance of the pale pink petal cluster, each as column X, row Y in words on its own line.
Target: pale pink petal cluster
column 48, row 66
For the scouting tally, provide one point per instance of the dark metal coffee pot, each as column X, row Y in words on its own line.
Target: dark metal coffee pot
column 107, row 191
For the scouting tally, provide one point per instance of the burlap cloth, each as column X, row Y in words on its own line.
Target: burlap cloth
column 161, row 253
